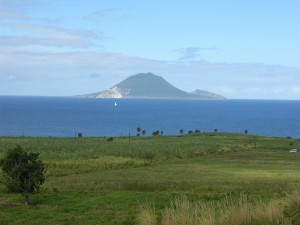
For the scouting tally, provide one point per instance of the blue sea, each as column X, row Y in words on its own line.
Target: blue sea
column 63, row 117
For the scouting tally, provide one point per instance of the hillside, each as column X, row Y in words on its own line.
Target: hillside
column 148, row 85
column 207, row 94
column 92, row 181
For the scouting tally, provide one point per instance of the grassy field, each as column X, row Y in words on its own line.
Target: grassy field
column 93, row 181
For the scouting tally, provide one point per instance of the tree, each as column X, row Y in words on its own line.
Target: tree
column 23, row 172
column 143, row 132
column 245, row 131
column 197, row 131
column 155, row 133
column 181, row 131
column 138, row 129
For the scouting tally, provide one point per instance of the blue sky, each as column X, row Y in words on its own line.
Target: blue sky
column 238, row 48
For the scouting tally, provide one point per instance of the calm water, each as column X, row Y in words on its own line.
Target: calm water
column 51, row 116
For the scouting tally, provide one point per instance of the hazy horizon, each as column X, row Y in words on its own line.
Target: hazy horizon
column 238, row 49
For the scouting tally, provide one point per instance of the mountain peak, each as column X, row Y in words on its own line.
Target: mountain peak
column 144, row 75
column 145, row 85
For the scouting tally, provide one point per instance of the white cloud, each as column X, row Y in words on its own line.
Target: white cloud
column 7, row 11
column 224, row 90
column 100, row 14
column 50, row 68
column 10, row 15
column 261, row 90
column 193, row 53
column 48, row 36
column 296, row 90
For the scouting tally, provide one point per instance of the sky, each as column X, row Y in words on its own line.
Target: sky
column 242, row 49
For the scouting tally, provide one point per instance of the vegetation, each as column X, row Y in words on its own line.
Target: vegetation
column 143, row 132
column 231, row 210
column 207, row 177
column 22, row 172
column 149, row 85
column 155, row 133
column 138, row 131
column 110, row 139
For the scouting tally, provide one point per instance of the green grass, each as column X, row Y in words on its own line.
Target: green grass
column 92, row 181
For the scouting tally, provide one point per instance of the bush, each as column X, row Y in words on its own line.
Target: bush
column 110, row 139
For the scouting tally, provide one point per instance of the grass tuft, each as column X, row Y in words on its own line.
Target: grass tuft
column 292, row 207
column 232, row 210
column 147, row 215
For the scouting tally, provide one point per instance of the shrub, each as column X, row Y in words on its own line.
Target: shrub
column 110, row 139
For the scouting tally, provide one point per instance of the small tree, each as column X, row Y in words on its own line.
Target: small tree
column 23, row 172
column 138, row 130
column 155, row 133
column 181, row 132
column 143, row 132
column 197, row 131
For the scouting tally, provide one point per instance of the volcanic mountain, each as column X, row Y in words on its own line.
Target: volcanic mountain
column 149, row 85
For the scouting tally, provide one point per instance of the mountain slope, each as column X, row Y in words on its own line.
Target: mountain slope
column 207, row 94
column 145, row 85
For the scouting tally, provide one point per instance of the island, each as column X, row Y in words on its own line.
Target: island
column 149, row 85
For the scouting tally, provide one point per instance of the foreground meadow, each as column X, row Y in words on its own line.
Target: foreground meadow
column 189, row 179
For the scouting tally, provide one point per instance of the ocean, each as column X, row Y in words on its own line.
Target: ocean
column 66, row 117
